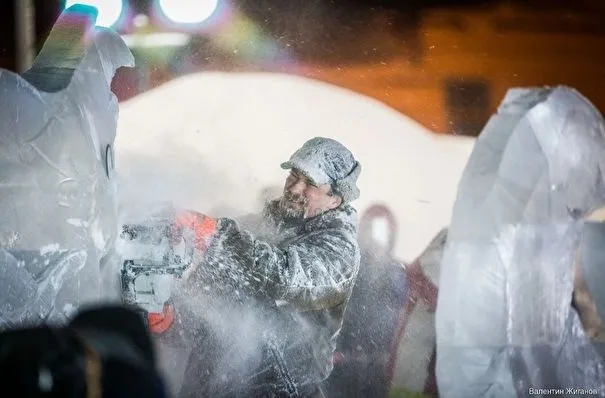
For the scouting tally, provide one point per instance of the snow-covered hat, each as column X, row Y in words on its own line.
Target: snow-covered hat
column 327, row 161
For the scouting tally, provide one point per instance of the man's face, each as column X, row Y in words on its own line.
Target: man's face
column 302, row 198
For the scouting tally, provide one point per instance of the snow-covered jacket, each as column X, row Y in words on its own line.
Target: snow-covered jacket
column 294, row 276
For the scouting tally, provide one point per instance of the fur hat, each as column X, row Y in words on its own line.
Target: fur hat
column 327, row 161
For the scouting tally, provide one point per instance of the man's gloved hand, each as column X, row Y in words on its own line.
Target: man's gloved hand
column 202, row 227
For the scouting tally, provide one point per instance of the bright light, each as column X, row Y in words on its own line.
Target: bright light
column 381, row 231
column 140, row 20
column 152, row 40
column 109, row 10
column 188, row 11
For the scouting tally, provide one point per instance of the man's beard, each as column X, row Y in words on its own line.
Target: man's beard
column 293, row 205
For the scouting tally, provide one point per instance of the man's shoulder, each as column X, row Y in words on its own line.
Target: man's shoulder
column 342, row 218
column 346, row 212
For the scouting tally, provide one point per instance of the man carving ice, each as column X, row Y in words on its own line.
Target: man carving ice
column 272, row 288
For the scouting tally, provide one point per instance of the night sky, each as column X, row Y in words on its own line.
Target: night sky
column 331, row 25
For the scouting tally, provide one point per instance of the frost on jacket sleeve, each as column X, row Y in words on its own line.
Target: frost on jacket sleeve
column 310, row 270
column 504, row 318
column 57, row 194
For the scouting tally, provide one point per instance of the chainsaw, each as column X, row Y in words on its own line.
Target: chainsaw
column 152, row 263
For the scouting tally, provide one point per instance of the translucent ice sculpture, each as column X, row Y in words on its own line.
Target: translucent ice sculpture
column 504, row 321
column 57, row 197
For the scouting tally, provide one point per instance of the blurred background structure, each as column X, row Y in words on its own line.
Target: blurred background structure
column 444, row 63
